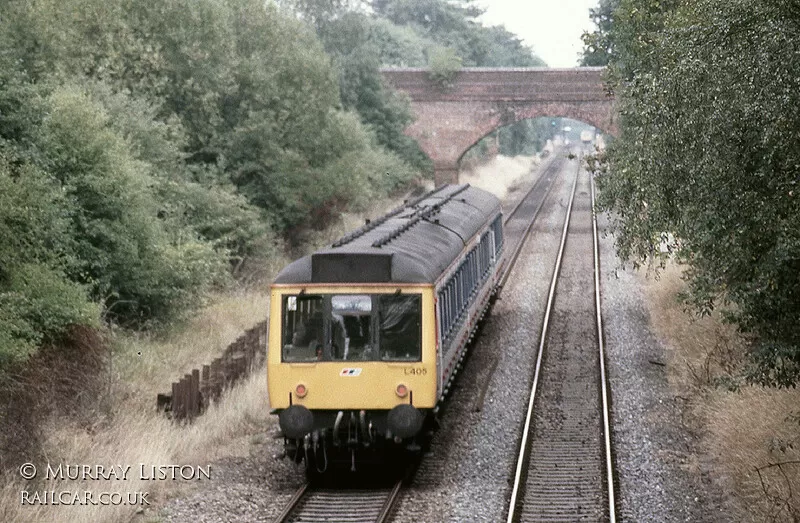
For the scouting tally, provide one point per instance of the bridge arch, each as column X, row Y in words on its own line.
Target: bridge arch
column 479, row 100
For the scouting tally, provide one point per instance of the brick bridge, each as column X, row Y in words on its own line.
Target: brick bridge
column 450, row 121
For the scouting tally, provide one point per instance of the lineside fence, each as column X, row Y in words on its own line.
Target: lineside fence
column 191, row 396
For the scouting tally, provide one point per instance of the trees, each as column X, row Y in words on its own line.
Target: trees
column 79, row 224
column 452, row 37
column 449, row 24
column 444, row 35
column 709, row 151
column 37, row 299
column 454, row 25
column 598, row 45
column 151, row 147
column 170, row 140
column 355, row 42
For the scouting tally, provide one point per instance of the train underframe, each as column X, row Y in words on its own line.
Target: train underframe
column 353, row 439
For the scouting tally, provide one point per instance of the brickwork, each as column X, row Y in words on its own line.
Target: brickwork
column 450, row 121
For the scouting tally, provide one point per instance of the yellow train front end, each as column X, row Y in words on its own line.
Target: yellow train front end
column 351, row 369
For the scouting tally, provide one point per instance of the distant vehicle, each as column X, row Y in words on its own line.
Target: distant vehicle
column 587, row 136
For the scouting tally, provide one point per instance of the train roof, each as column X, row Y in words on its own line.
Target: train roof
column 414, row 243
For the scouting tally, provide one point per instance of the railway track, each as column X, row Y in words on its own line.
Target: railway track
column 517, row 227
column 315, row 505
column 564, row 470
column 519, row 222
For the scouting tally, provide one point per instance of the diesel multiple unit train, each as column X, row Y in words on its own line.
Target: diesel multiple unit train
column 366, row 336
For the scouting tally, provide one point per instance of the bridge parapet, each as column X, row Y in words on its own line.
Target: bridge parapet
column 503, row 84
column 478, row 100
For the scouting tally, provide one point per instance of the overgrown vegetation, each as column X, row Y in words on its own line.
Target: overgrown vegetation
column 151, row 150
column 708, row 159
column 443, row 66
column 748, row 434
column 152, row 154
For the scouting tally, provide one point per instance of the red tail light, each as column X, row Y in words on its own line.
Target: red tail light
column 300, row 391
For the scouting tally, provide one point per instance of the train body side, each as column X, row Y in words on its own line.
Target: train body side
column 455, row 329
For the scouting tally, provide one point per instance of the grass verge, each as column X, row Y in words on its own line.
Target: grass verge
column 750, row 435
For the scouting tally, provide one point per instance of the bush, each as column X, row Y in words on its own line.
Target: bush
column 40, row 303
column 37, row 299
column 125, row 255
column 444, row 65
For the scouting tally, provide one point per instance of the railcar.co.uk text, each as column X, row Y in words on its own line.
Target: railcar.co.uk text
column 113, row 472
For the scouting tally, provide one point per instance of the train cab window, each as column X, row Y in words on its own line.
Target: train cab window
column 400, row 317
column 351, row 319
column 303, row 329
column 351, row 327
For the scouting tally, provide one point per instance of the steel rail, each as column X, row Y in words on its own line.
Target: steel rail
column 301, row 495
column 293, row 502
column 530, row 191
column 603, row 379
column 518, row 247
column 545, row 324
column 394, row 495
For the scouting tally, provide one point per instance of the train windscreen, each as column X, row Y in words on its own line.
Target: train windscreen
column 352, row 327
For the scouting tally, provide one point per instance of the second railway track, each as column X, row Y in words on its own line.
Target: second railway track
column 564, row 469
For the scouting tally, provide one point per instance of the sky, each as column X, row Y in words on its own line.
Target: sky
column 553, row 28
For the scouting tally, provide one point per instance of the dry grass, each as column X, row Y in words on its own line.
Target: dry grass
column 698, row 349
column 743, row 433
column 140, row 364
column 749, row 432
column 500, row 175
column 128, row 431
column 133, row 437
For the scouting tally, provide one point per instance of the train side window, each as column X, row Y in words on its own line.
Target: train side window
column 452, row 312
column 445, row 312
column 400, row 319
column 474, row 270
column 302, row 326
column 460, row 290
column 486, row 255
column 440, row 313
column 450, row 300
column 468, row 272
column 459, row 282
column 450, row 309
column 498, row 234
